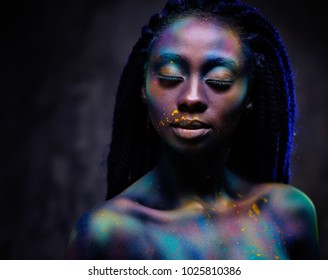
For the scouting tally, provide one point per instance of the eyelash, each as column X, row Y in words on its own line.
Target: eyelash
column 218, row 84
column 170, row 78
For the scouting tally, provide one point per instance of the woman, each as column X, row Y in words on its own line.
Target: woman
column 198, row 166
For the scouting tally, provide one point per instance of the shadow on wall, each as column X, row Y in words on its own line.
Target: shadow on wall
column 63, row 62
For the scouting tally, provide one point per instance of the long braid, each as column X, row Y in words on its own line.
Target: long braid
column 266, row 133
column 279, row 114
column 128, row 156
column 286, row 85
column 125, row 122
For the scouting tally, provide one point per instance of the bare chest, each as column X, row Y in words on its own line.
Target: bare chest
column 208, row 236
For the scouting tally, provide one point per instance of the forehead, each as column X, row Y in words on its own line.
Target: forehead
column 197, row 37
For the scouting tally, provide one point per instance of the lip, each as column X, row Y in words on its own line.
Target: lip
column 187, row 133
column 190, row 129
column 191, row 125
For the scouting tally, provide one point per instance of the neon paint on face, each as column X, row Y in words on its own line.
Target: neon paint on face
column 195, row 89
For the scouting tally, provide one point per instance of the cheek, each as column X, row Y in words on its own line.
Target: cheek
column 159, row 106
column 231, row 106
column 237, row 99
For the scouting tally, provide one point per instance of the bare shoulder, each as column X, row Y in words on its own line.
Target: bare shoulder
column 294, row 212
column 116, row 229
column 287, row 199
column 105, row 231
column 290, row 202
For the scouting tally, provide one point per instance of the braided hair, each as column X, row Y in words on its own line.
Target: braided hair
column 261, row 147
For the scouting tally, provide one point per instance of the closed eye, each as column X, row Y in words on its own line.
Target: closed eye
column 219, row 84
column 169, row 81
column 170, row 78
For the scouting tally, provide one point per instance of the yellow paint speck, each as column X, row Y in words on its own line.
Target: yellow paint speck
column 256, row 209
column 265, row 200
column 276, row 257
column 243, row 229
column 175, row 112
column 258, row 255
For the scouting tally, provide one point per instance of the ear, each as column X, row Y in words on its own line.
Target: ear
column 143, row 94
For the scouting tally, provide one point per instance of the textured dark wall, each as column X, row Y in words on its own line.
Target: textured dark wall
column 62, row 62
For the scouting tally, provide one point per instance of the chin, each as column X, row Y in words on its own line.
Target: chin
column 194, row 148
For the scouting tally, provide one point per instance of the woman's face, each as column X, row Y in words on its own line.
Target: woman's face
column 195, row 86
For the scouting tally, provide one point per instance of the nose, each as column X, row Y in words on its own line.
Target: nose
column 193, row 97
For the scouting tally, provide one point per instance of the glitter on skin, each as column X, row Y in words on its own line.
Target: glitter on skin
column 167, row 121
column 175, row 242
column 175, row 112
column 256, row 209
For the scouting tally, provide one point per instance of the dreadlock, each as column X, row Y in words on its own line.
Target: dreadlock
column 264, row 135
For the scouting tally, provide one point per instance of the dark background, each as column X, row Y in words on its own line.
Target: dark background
column 61, row 62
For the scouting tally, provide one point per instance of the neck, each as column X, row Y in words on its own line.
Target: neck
column 202, row 175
